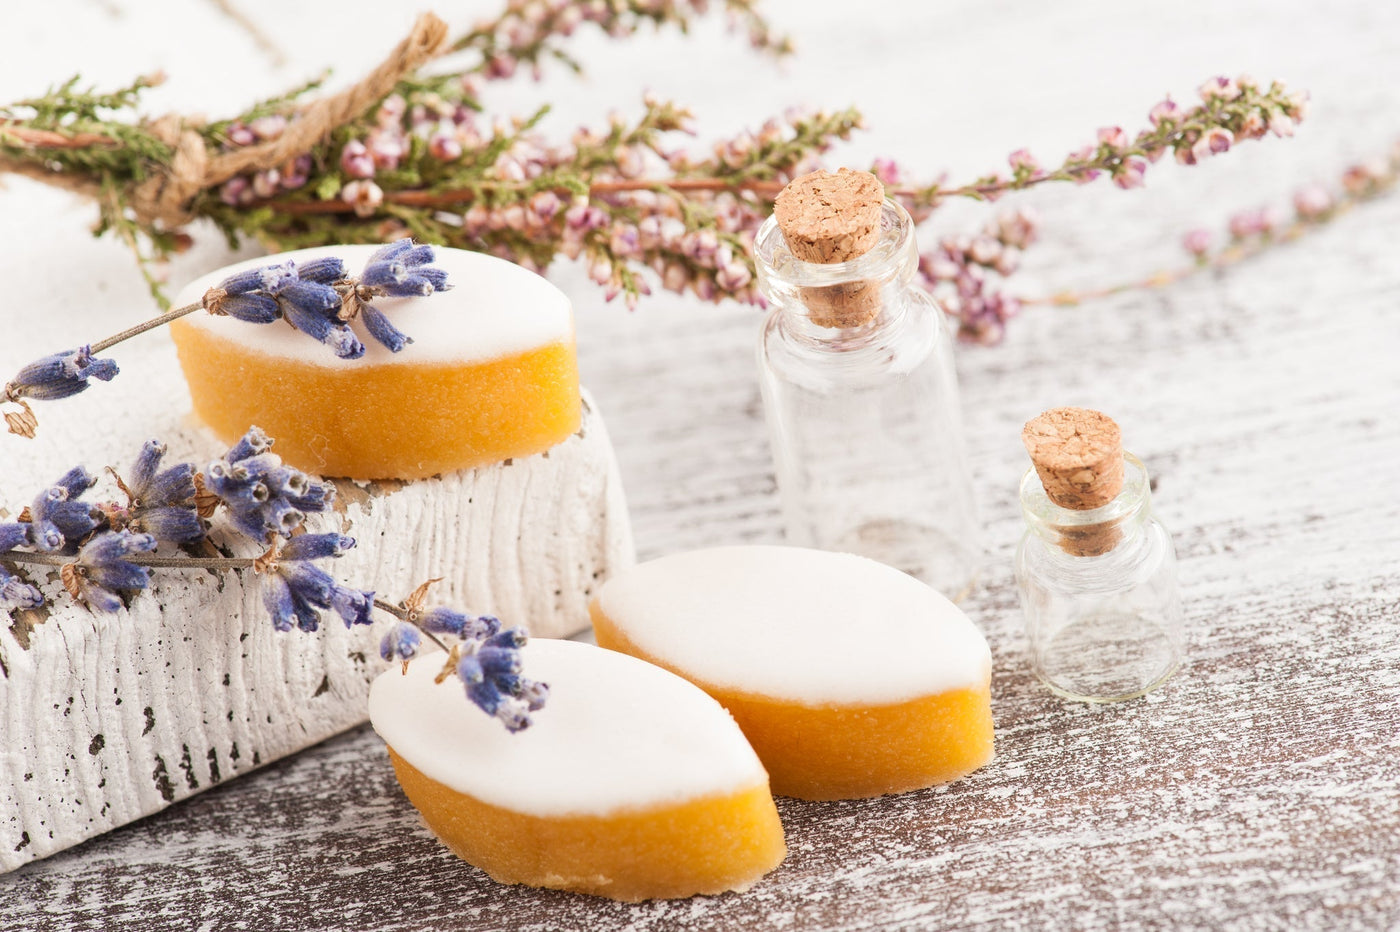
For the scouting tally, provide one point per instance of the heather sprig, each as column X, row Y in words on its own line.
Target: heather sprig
column 105, row 556
column 316, row 297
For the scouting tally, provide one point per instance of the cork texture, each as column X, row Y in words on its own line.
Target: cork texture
column 1078, row 454
column 830, row 217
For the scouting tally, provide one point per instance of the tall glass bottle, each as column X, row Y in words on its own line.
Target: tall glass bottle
column 860, row 392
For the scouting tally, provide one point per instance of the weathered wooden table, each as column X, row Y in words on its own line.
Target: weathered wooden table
column 1259, row 789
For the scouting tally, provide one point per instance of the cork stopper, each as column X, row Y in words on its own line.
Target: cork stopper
column 1078, row 455
column 828, row 218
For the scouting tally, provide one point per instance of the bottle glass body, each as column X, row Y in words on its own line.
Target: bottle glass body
column 864, row 419
column 1099, row 590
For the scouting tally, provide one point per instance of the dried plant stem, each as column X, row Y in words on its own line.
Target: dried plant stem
column 401, row 613
column 145, row 325
column 140, row 559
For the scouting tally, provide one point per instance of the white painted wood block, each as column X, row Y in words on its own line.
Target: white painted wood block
column 107, row 718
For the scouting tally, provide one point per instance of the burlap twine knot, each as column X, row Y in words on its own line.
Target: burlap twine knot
column 165, row 197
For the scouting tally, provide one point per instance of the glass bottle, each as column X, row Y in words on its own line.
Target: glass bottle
column 1099, row 590
column 862, row 409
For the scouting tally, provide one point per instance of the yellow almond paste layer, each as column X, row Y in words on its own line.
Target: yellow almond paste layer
column 630, row 784
column 849, row 678
column 491, row 374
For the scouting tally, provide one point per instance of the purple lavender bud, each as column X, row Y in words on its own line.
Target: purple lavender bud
column 511, row 638
column 318, row 497
column 16, row 593
column 391, row 251
column 308, row 582
column 469, row 671
column 44, row 536
column 170, row 522
column 254, row 442
column 145, row 468
column 76, row 481
column 277, row 599
column 324, row 271
column 485, row 696
column 317, row 546
column 442, row 620
column 105, row 569
column 514, row 714
column 379, row 327
column 401, row 643
column 61, row 375
column 263, row 278
column 250, row 308
column 535, row 694
column 499, row 660
column 344, row 343
column 12, row 535
column 74, row 520
column 355, row 607
column 307, row 309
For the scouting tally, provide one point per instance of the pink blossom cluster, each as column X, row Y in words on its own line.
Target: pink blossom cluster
column 1313, row 204
column 962, row 271
column 292, row 174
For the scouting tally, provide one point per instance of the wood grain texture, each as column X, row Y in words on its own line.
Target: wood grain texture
column 1257, row 790
column 107, row 718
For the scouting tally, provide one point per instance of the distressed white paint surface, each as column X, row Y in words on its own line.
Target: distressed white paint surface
column 107, row 718
column 1255, row 791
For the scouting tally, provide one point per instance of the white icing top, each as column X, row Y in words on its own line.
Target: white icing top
column 494, row 308
column 800, row 625
column 617, row 733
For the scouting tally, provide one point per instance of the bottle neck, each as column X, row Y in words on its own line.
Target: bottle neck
column 840, row 300
column 1091, row 532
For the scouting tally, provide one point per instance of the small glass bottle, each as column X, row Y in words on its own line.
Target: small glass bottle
column 1095, row 569
column 859, row 387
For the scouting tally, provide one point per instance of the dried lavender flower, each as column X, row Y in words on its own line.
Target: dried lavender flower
column 162, row 503
column 491, row 676
column 16, row 593
column 442, row 620
column 401, row 643
column 102, row 569
column 264, row 497
column 60, row 375
column 294, row 590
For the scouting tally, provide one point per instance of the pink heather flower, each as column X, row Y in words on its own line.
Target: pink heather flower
column 544, row 205
column 1254, row 223
column 1280, row 124
column 629, row 161
column 1113, row 136
column 266, row 184
column 1198, row 242
column 704, row 288
column 1184, row 156
column 1214, row 140
column 733, row 276
column 1009, row 261
column 887, row 170
column 391, row 111
column 1022, row 161
column 1131, row 174
column 386, row 149
column 675, row 278
column 364, row 195
column 1297, row 106
column 1219, row 88
column 625, row 242
column 268, row 127
column 1164, row 112
column 1312, row 201
column 1083, row 156
column 477, row 219
column 507, row 168
column 355, row 160
column 984, row 250
column 1253, row 126
column 1018, row 227
column 235, row 191
column 296, row 172
column 240, row 135
column 444, row 147
column 513, row 217
column 600, row 271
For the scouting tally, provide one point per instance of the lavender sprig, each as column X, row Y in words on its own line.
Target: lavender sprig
column 316, row 297
column 104, row 555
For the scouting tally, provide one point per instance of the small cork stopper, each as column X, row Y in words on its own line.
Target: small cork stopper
column 1078, row 455
column 828, row 218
